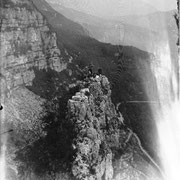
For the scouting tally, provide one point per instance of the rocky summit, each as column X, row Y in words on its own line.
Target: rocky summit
column 104, row 148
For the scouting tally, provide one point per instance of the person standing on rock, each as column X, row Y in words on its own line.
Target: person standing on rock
column 98, row 74
column 99, row 71
column 90, row 73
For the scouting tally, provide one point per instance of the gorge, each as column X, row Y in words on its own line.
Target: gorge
column 58, row 132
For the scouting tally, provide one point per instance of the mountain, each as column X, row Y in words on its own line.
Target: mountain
column 59, row 21
column 146, row 32
column 106, row 8
column 41, row 61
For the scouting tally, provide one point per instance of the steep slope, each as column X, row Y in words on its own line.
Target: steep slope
column 58, row 20
column 27, row 45
column 26, row 42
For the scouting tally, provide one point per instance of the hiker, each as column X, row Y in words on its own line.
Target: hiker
column 90, row 73
column 99, row 71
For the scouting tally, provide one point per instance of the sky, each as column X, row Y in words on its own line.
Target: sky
column 117, row 8
column 163, row 5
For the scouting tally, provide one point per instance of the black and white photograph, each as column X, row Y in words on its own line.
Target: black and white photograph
column 89, row 90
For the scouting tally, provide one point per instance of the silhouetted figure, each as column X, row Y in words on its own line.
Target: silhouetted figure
column 99, row 71
column 90, row 73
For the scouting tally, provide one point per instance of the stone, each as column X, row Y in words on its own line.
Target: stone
column 26, row 42
column 105, row 148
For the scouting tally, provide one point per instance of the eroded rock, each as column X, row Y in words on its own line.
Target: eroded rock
column 26, row 42
column 105, row 149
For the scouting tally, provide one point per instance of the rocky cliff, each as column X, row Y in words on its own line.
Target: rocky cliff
column 104, row 147
column 26, row 42
column 27, row 45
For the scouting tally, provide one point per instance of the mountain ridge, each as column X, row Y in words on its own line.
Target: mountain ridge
column 146, row 32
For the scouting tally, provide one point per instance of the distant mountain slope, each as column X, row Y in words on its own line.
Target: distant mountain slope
column 107, row 8
column 145, row 32
column 58, row 20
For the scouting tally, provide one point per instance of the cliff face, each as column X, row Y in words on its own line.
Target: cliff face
column 26, row 42
column 27, row 45
column 104, row 147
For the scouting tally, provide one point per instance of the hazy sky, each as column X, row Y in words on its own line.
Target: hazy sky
column 163, row 4
column 158, row 4
column 117, row 8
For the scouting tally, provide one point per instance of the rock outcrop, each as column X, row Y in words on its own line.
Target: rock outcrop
column 26, row 42
column 104, row 147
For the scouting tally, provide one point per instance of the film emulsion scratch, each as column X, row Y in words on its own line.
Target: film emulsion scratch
column 89, row 90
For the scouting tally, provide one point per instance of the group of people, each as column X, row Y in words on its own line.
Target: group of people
column 94, row 75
